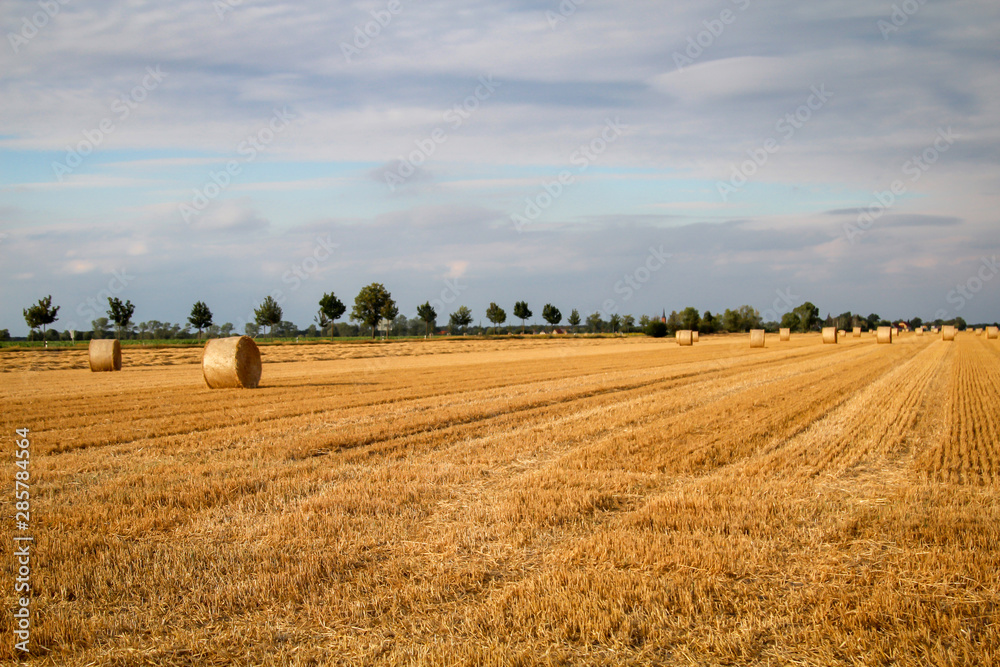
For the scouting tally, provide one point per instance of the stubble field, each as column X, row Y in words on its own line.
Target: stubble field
column 573, row 501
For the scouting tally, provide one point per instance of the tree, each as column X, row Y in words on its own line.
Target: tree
column 268, row 314
column 656, row 328
column 708, row 323
column 644, row 322
column 750, row 318
column 496, row 315
column 551, row 314
column 628, row 322
column 615, row 321
column 324, row 322
column 791, row 321
column 200, row 318
column 226, row 329
column 427, row 313
column 461, row 317
column 808, row 316
column 674, row 322
column 373, row 303
column 285, row 329
column 595, row 323
column 574, row 319
column 521, row 312
column 331, row 309
column 120, row 313
column 41, row 314
column 690, row 319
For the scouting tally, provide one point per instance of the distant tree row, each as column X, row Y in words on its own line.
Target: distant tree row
column 375, row 307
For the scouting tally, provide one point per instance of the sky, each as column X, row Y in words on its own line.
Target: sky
column 612, row 157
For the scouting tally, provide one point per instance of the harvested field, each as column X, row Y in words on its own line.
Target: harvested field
column 560, row 501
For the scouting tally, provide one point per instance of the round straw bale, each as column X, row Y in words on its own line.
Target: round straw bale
column 884, row 335
column 694, row 336
column 231, row 362
column 829, row 334
column 756, row 338
column 105, row 355
column 920, row 331
column 683, row 336
column 784, row 334
column 948, row 332
column 856, row 332
column 993, row 332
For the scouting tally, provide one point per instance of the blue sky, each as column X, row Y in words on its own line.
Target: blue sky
column 463, row 153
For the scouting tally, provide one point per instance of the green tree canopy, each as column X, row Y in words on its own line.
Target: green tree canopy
column 268, row 314
column 120, row 313
column 615, row 321
column 574, row 319
column 461, row 317
column 41, row 314
column 200, row 318
column 690, row 319
column 496, row 315
column 808, row 316
column 709, row 324
column 551, row 314
column 656, row 328
column 791, row 321
column 331, row 309
column 373, row 303
column 522, row 312
column 427, row 313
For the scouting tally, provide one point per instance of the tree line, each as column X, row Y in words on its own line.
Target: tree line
column 374, row 310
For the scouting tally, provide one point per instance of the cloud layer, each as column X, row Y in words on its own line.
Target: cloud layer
column 207, row 149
